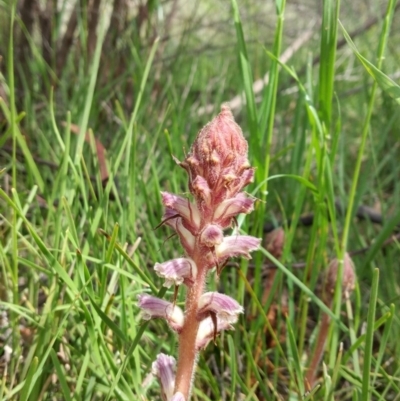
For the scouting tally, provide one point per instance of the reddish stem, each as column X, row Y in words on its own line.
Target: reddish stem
column 318, row 351
column 187, row 358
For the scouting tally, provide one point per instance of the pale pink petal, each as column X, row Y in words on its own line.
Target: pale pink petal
column 183, row 207
column 153, row 307
column 169, row 214
column 164, row 368
column 178, row 397
column 188, row 240
column 177, row 271
column 232, row 207
column 207, row 331
column 237, row 245
column 225, row 307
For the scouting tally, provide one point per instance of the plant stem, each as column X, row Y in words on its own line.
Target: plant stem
column 318, row 351
column 187, row 357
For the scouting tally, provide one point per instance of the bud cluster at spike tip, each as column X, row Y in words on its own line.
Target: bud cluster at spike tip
column 219, row 157
column 218, row 169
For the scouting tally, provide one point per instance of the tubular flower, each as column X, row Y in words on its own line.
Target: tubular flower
column 164, row 369
column 230, row 208
column 218, row 169
column 187, row 239
column 208, row 329
column 236, row 245
column 153, row 307
column 223, row 306
column 177, row 271
column 187, row 210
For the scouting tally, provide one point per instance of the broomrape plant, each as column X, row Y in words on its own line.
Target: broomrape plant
column 218, row 170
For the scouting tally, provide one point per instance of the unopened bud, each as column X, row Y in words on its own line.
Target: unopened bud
column 275, row 241
column 219, row 156
column 348, row 276
column 211, row 236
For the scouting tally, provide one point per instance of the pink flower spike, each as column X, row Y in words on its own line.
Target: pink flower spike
column 164, row 368
column 178, row 397
column 153, row 307
column 177, row 271
column 184, row 208
column 225, row 307
column 232, row 207
column 207, row 331
column 237, row 245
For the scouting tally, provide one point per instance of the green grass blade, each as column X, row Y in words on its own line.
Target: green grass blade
column 61, row 376
column 29, row 380
column 330, row 15
column 233, row 366
column 115, row 329
column 384, row 82
column 247, row 75
column 83, row 125
column 369, row 339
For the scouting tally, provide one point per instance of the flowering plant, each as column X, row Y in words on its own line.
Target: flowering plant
column 218, row 170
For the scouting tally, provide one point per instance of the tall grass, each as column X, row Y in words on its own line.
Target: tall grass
column 76, row 248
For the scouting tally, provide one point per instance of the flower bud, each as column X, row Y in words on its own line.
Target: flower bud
column 219, row 156
column 348, row 276
column 211, row 236
column 201, row 190
column 275, row 241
